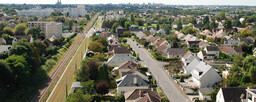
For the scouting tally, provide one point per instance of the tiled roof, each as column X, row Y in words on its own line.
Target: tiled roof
column 121, row 50
column 212, row 48
column 162, row 47
column 233, row 94
column 141, row 94
column 176, row 51
column 160, row 42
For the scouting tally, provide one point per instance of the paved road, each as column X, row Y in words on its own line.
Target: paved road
column 170, row 88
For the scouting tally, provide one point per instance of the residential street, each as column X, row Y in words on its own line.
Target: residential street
column 170, row 88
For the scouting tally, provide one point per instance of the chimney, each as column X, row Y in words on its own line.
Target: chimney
column 141, row 93
column 135, row 80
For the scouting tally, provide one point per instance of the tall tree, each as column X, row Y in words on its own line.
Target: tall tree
column 103, row 73
column 82, row 74
column 221, row 16
column 88, row 87
column 35, row 32
column 213, row 24
column 132, row 18
column 179, row 25
column 228, row 24
column 102, row 87
column 206, row 20
column 78, row 96
column 253, row 74
column 20, row 29
column 93, row 69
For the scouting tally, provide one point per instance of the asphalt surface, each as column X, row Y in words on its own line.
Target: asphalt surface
column 170, row 88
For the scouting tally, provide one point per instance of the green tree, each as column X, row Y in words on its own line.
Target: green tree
column 192, row 20
column 213, row 24
column 122, row 22
column 157, row 26
column 6, row 77
column 253, row 74
column 87, row 17
column 228, row 24
column 88, row 87
column 179, row 25
column 245, row 33
column 103, row 73
column 233, row 79
column 96, row 47
column 206, row 20
column 115, row 25
column 78, row 96
column 35, row 32
column 237, row 23
column 132, row 18
column 248, row 62
column 2, row 25
column 20, row 28
column 93, row 69
column 7, row 38
column 221, row 16
column 127, row 24
column 8, row 30
column 82, row 74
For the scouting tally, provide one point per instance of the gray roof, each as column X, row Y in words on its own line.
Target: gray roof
column 202, row 68
column 4, row 48
column 233, row 94
column 141, row 35
column 212, row 48
column 205, row 91
column 76, row 84
column 129, row 79
column 120, row 58
column 176, row 51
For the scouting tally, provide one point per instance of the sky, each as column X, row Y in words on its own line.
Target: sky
column 171, row 2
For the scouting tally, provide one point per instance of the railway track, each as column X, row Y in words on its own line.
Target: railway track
column 42, row 93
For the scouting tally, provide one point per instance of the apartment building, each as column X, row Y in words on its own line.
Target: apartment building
column 48, row 28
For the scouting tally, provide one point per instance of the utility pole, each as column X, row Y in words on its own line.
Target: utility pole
column 66, row 88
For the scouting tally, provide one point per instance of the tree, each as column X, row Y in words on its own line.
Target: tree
column 20, row 29
column 8, row 30
column 35, row 32
column 253, row 74
column 127, row 24
column 93, row 69
column 228, row 24
column 88, row 87
column 206, row 20
column 5, row 76
column 7, row 38
column 124, row 40
column 237, row 22
column 103, row 73
column 248, row 62
column 245, row 33
column 213, row 24
column 174, row 44
column 87, row 17
column 179, row 26
column 96, row 47
column 233, row 79
column 132, row 18
column 79, row 97
column 19, row 68
column 102, row 87
column 41, row 47
column 157, row 26
column 221, row 16
column 122, row 22
column 2, row 25
column 192, row 20
column 115, row 25
column 82, row 74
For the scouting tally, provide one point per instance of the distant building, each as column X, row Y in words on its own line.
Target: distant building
column 49, row 28
column 20, row 37
column 77, row 12
column 38, row 11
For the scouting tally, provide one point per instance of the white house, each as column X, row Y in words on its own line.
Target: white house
column 161, row 31
column 131, row 82
column 141, row 35
column 18, row 37
column 152, row 31
column 192, row 65
column 210, row 52
column 204, row 75
column 230, row 42
column 232, row 94
column 250, row 95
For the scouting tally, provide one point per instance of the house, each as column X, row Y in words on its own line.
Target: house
column 162, row 41
column 75, row 86
column 152, row 31
column 121, row 50
column 219, row 34
column 155, row 40
column 19, row 37
column 2, row 41
column 193, row 44
column 246, row 40
column 127, row 67
column 180, row 36
column 163, row 49
column 231, row 50
column 202, row 44
column 114, row 42
column 210, row 52
column 149, row 38
column 204, row 93
column 161, row 31
column 142, row 95
column 176, row 52
column 191, row 65
column 4, row 48
column 135, row 30
column 207, row 33
column 121, row 30
column 233, row 94
column 187, row 37
column 111, row 47
column 141, row 35
column 254, row 52
column 230, row 42
column 48, row 43
column 131, row 82
column 204, row 75
column 117, row 59
column 187, row 58
column 251, row 95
